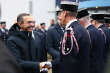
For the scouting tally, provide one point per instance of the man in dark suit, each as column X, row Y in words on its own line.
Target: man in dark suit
column 3, row 31
column 97, row 42
column 27, row 46
column 74, row 52
column 8, row 63
column 53, row 38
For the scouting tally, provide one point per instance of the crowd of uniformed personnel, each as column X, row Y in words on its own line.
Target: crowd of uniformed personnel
column 78, row 43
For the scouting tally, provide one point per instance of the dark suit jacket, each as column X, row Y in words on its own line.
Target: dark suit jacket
column 3, row 35
column 8, row 63
column 79, row 63
column 53, row 38
column 28, row 50
column 96, row 52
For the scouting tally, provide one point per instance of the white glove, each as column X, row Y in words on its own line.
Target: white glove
column 44, row 65
column 49, row 63
column 44, row 70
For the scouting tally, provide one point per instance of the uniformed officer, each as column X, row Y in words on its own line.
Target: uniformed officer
column 75, row 45
column 3, row 31
column 53, row 38
column 99, row 23
column 107, row 20
column 107, row 64
column 42, row 28
column 97, row 42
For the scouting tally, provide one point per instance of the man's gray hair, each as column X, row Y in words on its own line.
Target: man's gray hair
column 20, row 17
column 86, row 18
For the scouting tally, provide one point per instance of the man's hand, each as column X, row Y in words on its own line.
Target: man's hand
column 44, row 70
column 44, row 66
column 48, row 65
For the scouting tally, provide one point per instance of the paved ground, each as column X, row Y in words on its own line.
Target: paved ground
column 49, row 59
column 50, row 71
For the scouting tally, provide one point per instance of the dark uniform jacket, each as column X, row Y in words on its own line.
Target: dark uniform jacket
column 106, row 51
column 79, row 63
column 43, row 34
column 96, row 51
column 54, row 35
column 107, row 40
column 8, row 63
column 28, row 50
column 41, row 31
column 4, row 34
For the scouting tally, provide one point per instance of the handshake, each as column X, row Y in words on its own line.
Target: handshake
column 44, row 66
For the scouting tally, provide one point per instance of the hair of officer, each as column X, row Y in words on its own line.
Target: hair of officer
column 86, row 18
column 71, row 14
column 42, row 24
column 100, row 21
column 91, row 20
column 20, row 17
column 2, row 23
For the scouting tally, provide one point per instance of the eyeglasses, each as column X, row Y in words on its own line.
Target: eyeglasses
column 29, row 22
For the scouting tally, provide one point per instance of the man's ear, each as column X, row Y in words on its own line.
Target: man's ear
column 95, row 22
column 65, row 13
column 20, row 23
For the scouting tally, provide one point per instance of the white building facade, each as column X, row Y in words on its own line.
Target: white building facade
column 42, row 10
